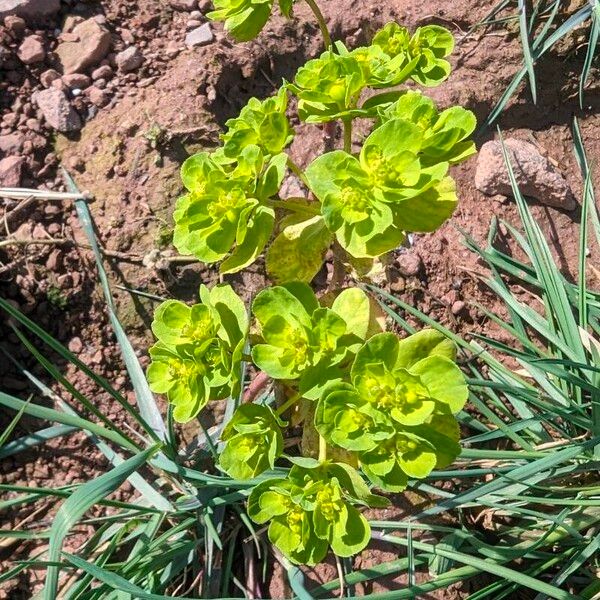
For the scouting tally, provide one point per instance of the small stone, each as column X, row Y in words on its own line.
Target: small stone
column 97, row 96
column 93, row 44
column 104, row 72
column 100, row 83
column 193, row 24
column 75, row 345
column 76, row 80
column 536, row 175
column 129, row 59
column 184, row 5
column 172, row 50
column 33, row 125
column 409, row 264
column 458, row 307
column 10, row 171
column 31, row 50
column 54, row 261
column 200, row 36
column 71, row 21
column 47, row 77
column 12, row 143
column 57, row 111
column 15, row 25
column 196, row 14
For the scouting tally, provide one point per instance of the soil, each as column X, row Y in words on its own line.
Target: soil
column 127, row 156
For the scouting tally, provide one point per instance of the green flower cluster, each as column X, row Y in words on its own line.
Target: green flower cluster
column 305, row 342
column 199, row 350
column 329, row 87
column 225, row 216
column 312, row 510
column 397, row 411
column 253, row 441
column 369, row 202
column 244, row 19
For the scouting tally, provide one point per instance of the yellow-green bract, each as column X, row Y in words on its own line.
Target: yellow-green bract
column 397, row 410
column 199, row 349
column 312, row 510
column 305, row 342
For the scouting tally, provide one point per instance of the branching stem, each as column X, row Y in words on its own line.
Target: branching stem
column 321, row 21
column 288, row 404
column 298, row 172
column 322, row 449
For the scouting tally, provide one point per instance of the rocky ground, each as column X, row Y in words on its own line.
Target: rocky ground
column 120, row 92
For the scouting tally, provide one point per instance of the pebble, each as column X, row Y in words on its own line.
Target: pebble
column 47, row 77
column 76, row 80
column 12, row 143
column 31, row 50
column 409, row 264
column 16, row 25
column 201, row 36
column 183, row 5
column 11, row 169
column 75, row 345
column 92, row 46
column 104, row 72
column 129, row 59
column 97, row 96
column 57, row 110
column 458, row 307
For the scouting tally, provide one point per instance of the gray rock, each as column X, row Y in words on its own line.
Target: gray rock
column 536, row 175
column 129, row 59
column 10, row 171
column 92, row 46
column 201, row 36
column 57, row 111
column 29, row 9
column 31, row 50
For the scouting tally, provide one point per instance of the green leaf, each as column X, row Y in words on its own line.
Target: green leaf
column 443, row 380
column 244, row 19
column 297, row 253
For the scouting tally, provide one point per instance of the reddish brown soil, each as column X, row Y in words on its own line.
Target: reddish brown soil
column 128, row 156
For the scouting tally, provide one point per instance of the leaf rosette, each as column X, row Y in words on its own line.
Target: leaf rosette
column 254, row 441
column 303, row 341
column 397, row 412
column 198, row 351
column 369, row 202
column 225, row 216
column 313, row 510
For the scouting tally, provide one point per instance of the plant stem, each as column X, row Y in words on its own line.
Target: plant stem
column 290, row 204
column 348, row 135
column 322, row 449
column 297, row 171
column 321, row 21
column 288, row 404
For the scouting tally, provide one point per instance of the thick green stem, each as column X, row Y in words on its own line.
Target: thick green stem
column 348, row 135
column 297, row 171
column 288, row 404
column 293, row 204
column 322, row 449
column 321, row 21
